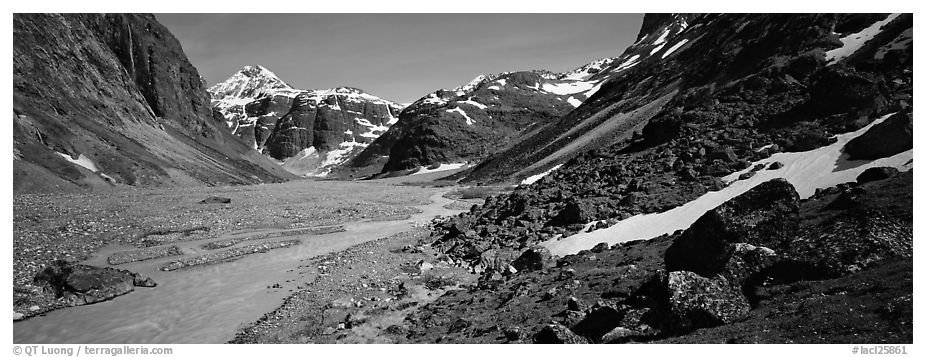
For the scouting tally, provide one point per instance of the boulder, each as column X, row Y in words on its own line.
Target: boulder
column 876, row 173
column 849, row 242
column 725, row 154
column 558, row 334
column 215, row 199
column 534, row 258
column 618, row 335
column 888, row 138
column 698, row 302
column 78, row 284
column 840, row 89
column 601, row 318
column 746, row 261
column 578, row 211
column 765, row 216
column 496, row 260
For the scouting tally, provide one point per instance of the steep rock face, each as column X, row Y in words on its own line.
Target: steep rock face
column 310, row 131
column 111, row 99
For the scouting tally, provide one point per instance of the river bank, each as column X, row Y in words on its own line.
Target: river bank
column 201, row 304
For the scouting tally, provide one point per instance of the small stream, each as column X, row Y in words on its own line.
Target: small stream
column 205, row 304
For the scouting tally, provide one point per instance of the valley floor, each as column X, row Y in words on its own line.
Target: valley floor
column 155, row 230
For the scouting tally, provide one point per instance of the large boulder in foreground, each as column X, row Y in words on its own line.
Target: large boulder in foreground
column 78, row 284
column 698, row 302
column 765, row 216
column 888, row 138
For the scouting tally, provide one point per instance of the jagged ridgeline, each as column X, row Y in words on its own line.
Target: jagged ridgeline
column 111, row 99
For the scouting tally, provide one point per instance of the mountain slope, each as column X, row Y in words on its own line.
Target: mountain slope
column 111, row 99
column 764, row 85
column 492, row 114
column 310, row 131
column 469, row 122
column 702, row 191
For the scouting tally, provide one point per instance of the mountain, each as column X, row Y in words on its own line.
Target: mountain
column 493, row 113
column 101, row 100
column 581, row 130
column 310, row 132
column 740, row 160
column 468, row 123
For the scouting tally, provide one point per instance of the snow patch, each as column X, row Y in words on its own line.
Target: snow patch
column 81, row 161
column 662, row 38
column 575, row 102
column 656, row 49
column 901, row 42
column 469, row 121
column 442, row 167
column 567, row 88
column 673, row 48
column 473, row 103
column 531, row 179
column 807, row 171
column 855, row 41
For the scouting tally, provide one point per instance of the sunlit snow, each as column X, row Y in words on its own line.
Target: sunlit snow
column 675, row 47
column 442, row 167
column 534, row 178
column 473, row 103
column 807, row 171
column 855, row 41
column 567, row 88
column 575, row 102
column 469, row 121
column 81, row 161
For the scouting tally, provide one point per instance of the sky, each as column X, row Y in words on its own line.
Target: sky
column 399, row 57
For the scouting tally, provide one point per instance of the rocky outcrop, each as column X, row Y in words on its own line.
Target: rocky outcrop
column 876, row 173
column 699, row 302
column 558, row 334
column 311, row 131
column 766, row 216
column 888, row 138
column 66, row 284
column 104, row 99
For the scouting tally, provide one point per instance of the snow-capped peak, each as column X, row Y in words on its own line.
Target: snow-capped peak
column 471, row 85
column 249, row 82
column 586, row 71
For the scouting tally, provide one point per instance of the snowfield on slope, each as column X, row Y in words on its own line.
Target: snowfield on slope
column 807, row 171
column 469, row 121
column 81, row 161
column 534, row 178
column 442, row 167
column 855, row 41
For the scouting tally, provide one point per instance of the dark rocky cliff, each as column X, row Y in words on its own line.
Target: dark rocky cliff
column 115, row 93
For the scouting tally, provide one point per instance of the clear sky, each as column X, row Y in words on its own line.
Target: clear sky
column 400, row 57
